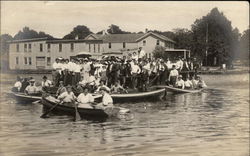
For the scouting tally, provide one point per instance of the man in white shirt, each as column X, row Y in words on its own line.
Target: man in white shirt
column 55, row 73
column 180, row 83
column 31, row 88
column 107, row 100
column 141, row 53
column 173, row 76
column 17, row 85
column 46, row 82
column 68, row 97
column 135, row 70
column 179, row 64
column 134, row 56
column 85, row 99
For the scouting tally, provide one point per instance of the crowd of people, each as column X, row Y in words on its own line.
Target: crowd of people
column 113, row 75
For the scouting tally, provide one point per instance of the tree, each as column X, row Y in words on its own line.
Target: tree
column 244, row 46
column 183, row 38
column 214, row 32
column 4, row 42
column 79, row 31
column 28, row 33
column 159, row 52
column 114, row 29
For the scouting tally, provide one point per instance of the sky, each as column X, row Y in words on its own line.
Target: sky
column 58, row 18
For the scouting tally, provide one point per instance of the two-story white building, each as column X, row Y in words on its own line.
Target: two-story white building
column 40, row 53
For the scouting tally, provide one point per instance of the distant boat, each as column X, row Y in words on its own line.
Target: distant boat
column 178, row 90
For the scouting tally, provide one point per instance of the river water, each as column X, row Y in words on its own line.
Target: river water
column 212, row 123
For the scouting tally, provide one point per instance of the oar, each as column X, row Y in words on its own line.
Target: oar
column 35, row 102
column 77, row 115
column 44, row 114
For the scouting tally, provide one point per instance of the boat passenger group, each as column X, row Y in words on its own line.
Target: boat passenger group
column 113, row 75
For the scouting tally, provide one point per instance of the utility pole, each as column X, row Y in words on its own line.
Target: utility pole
column 206, row 42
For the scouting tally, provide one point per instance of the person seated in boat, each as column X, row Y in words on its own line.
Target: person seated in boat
column 180, row 83
column 107, row 100
column 85, row 99
column 31, row 89
column 39, row 87
column 117, row 88
column 173, row 76
column 188, row 83
column 18, row 84
column 46, row 82
column 61, row 89
column 194, row 82
column 68, row 97
column 201, row 83
column 91, row 82
column 102, row 84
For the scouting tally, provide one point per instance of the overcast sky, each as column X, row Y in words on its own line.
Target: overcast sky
column 58, row 18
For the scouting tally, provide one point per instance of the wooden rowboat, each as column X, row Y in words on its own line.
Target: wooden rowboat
column 141, row 96
column 178, row 90
column 49, row 101
column 23, row 98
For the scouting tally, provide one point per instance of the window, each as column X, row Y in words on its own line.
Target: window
column 60, row 47
column 124, row 45
column 41, row 47
column 48, row 47
column 25, row 60
column 72, row 46
column 29, row 47
column 17, row 48
column 89, row 47
column 94, row 48
column 17, row 60
column 110, row 46
column 158, row 42
column 30, row 62
column 25, row 47
column 98, row 48
column 144, row 43
column 48, row 61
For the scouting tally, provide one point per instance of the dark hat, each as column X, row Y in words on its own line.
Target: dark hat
column 103, row 88
column 44, row 77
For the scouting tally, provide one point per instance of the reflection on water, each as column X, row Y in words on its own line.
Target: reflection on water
column 214, row 122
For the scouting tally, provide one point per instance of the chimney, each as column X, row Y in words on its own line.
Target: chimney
column 146, row 30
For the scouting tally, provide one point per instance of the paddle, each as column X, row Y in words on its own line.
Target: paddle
column 77, row 115
column 44, row 114
column 35, row 102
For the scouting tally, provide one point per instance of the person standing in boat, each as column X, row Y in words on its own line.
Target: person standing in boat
column 179, row 64
column 68, row 97
column 180, row 83
column 55, row 73
column 185, row 69
column 18, row 85
column 173, row 75
column 85, row 99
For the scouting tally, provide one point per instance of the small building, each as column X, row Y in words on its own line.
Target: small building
column 175, row 53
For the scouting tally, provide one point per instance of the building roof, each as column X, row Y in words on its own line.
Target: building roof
column 29, row 40
column 128, row 38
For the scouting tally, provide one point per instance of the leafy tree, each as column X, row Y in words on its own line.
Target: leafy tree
column 28, row 33
column 114, row 29
column 4, row 45
column 244, row 51
column 159, row 52
column 214, row 33
column 79, row 31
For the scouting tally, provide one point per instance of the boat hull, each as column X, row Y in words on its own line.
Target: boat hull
column 68, row 110
column 22, row 98
column 178, row 90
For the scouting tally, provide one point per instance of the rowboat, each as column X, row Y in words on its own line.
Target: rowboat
column 23, row 98
column 141, row 96
column 178, row 90
column 89, row 112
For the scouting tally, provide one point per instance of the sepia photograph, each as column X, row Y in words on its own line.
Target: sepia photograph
column 124, row 78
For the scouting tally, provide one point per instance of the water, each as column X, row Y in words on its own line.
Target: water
column 212, row 123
